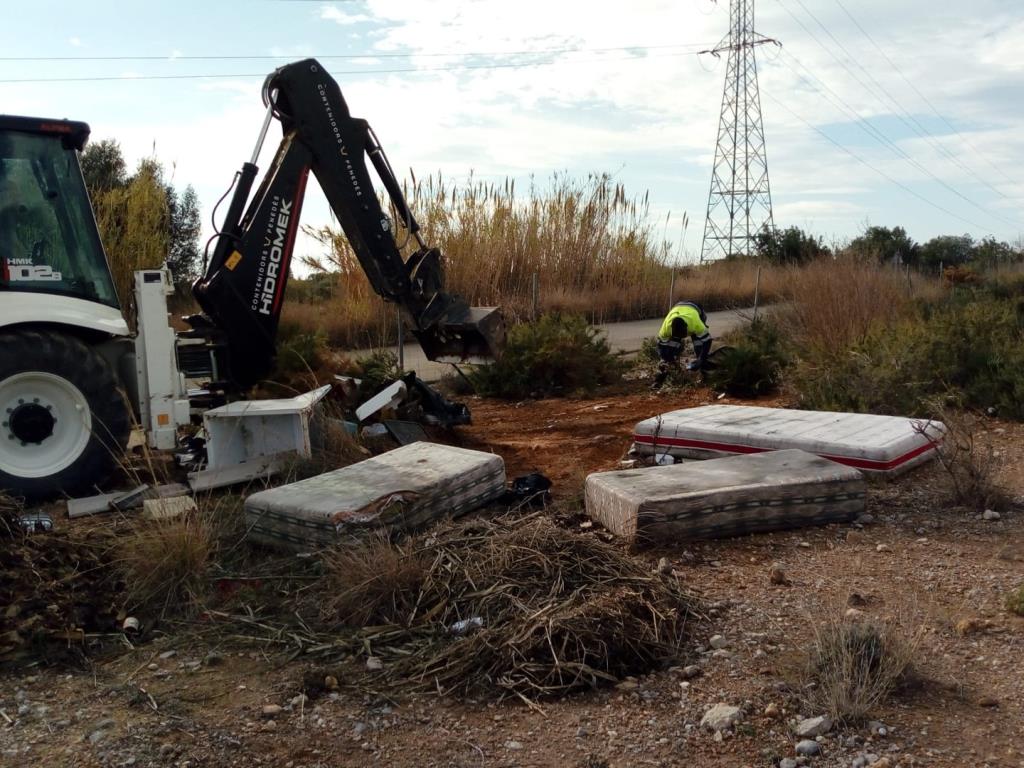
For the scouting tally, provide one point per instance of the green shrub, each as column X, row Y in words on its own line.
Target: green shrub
column 301, row 352
column 556, row 355
column 647, row 363
column 1015, row 601
column 970, row 346
column 752, row 364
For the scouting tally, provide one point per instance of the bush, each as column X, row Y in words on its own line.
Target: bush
column 752, row 365
column 971, row 469
column 853, row 666
column 1015, row 601
column 301, row 352
column 556, row 355
column 969, row 346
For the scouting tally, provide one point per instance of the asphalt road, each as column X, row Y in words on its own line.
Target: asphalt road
column 624, row 338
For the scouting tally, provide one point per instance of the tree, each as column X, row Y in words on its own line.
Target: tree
column 789, row 246
column 183, row 256
column 948, row 250
column 886, row 246
column 994, row 253
column 143, row 221
column 103, row 167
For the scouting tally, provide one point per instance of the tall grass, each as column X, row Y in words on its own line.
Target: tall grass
column 595, row 251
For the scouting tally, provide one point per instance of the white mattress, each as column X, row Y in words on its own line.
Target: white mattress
column 402, row 490
column 877, row 444
column 732, row 496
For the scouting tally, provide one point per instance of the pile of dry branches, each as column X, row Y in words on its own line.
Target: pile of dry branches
column 519, row 605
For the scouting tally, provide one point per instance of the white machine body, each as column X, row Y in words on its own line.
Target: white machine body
column 163, row 402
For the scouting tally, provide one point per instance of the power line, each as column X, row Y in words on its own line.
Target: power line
column 453, row 68
column 874, row 132
column 901, row 112
column 880, row 172
column 923, row 98
column 900, row 117
column 375, row 55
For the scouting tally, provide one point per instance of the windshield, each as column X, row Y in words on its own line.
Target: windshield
column 48, row 237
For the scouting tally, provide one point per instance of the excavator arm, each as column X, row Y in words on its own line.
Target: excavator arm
column 243, row 288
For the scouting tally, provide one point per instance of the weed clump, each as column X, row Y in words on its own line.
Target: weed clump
column 556, row 355
column 164, row 562
column 752, row 365
column 854, row 666
column 1015, row 601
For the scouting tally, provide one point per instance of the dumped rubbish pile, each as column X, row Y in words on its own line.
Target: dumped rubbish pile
column 58, row 593
column 514, row 605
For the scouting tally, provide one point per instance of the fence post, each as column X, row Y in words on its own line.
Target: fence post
column 672, row 288
column 757, row 290
column 535, row 291
column 401, row 341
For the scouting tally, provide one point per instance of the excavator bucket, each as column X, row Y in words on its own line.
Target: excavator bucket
column 465, row 335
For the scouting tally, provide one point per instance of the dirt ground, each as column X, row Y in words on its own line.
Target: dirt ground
column 178, row 702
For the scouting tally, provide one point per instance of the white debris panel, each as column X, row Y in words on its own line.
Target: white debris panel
column 732, row 496
column 885, row 445
column 402, row 490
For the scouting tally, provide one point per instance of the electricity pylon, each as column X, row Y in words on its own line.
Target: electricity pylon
column 740, row 200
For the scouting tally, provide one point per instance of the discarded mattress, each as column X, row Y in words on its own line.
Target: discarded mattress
column 878, row 444
column 724, row 497
column 401, row 490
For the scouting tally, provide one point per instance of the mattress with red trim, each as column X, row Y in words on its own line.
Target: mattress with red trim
column 878, row 444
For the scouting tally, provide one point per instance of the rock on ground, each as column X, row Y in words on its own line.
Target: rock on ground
column 721, row 717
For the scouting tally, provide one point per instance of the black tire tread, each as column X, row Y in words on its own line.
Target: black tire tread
column 71, row 358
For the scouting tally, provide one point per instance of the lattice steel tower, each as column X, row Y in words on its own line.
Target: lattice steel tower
column 740, row 200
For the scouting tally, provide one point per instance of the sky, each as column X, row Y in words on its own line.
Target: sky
column 875, row 112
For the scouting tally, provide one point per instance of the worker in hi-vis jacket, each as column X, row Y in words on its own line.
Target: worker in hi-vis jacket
column 684, row 319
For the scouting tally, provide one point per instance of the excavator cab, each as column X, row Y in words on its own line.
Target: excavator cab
column 49, row 243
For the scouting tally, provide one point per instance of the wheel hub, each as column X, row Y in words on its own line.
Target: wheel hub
column 31, row 422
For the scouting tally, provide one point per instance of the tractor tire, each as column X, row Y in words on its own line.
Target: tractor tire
column 64, row 421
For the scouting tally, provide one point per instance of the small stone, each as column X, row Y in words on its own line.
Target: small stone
column 629, row 684
column 777, row 576
column 721, row 717
column 808, row 748
column 969, row 626
column 787, row 762
column 813, row 726
column 717, row 641
column 166, row 750
column 366, row 746
column 804, row 545
column 213, row 659
column 692, row 671
column 865, row 519
column 153, row 667
column 882, row 548
column 664, row 566
column 271, row 710
column 270, row 725
column 167, row 655
column 988, row 701
column 990, row 514
column 513, row 745
column 772, row 710
column 854, row 614
column 330, row 682
column 721, row 653
column 882, row 762
column 374, row 664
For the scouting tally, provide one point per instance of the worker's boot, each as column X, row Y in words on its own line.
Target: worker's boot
column 660, row 377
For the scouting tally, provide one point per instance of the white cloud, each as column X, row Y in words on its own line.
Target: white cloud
column 338, row 16
column 75, row 42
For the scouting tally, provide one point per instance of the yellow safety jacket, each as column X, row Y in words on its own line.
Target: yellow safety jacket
column 695, row 327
